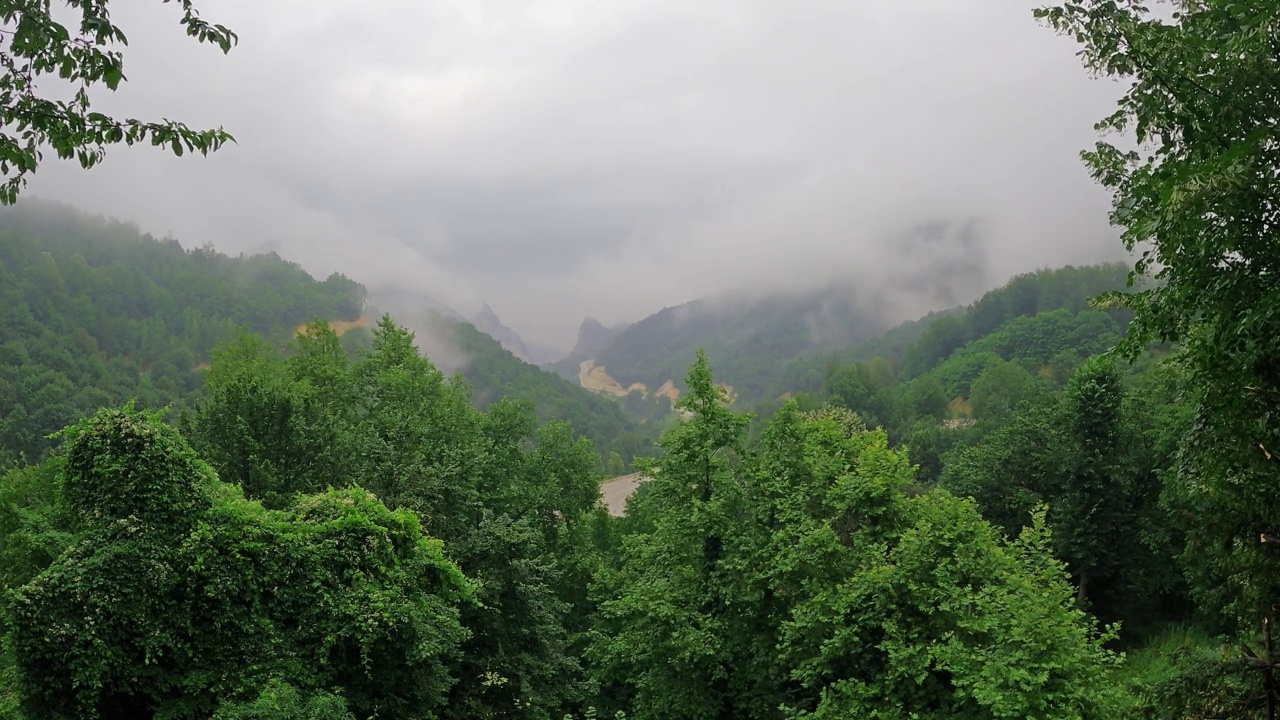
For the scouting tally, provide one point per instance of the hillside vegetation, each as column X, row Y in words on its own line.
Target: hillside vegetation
column 495, row 374
column 917, row 346
column 750, row 341
column 93, row 313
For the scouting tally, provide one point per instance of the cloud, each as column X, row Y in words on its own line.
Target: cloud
column 562, row 158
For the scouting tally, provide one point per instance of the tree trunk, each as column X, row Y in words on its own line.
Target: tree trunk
column 1081, row 589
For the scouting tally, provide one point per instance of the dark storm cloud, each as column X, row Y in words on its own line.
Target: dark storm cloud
column 561, row 158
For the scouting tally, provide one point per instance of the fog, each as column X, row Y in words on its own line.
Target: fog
column 564, row 158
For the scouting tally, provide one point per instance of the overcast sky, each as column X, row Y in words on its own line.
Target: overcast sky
column 562, row 158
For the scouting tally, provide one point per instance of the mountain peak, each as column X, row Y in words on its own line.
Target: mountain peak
column 488, row 322
column 592, row 336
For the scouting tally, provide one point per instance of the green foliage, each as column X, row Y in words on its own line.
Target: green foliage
column 660, row 620
column 909, row 601
column 281, row 701
column 808, row 577
column 1000, row 390
column 925, row 398
column 1034, row 341
column 868, row 393
column 986, row 377
column 1096, row 456
column 1040, row 293
column 1182, row 673
column 93, row 314
column 39, row 45
column 1196, row 196
column 591, row 714
column 193, row 596
column 33, row 530
column 122, row 466
column 512, row 501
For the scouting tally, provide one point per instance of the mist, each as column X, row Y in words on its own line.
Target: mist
column 561, row 159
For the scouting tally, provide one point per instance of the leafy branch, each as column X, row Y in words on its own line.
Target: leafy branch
column 34, row 45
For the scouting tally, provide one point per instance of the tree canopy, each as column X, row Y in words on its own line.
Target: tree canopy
column 1198, row 196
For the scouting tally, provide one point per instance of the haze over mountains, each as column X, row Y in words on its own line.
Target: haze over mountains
column 612, row 160
column 758, row 337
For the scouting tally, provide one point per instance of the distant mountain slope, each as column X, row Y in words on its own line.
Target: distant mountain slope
column 494, row 372
column 404, row 302
column 918, row 346
column 593, row 336
column 1069, row 288
column 93, row 313
column 488, row 322
column 766, row 347
column 749, row 341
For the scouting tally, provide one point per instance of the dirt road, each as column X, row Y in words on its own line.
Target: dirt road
column 616, row 491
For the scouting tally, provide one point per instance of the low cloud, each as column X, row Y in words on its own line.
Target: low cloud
column 563, row 158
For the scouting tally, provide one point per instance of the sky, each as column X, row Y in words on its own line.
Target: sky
column 563, row 158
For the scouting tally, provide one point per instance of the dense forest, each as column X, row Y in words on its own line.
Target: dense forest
column 95, row 313
column 1056, row 503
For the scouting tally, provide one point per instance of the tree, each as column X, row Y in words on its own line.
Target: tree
column 999, row 390
column 1097, row 532
column 614, row 466
column 660, row 626
column 925, row 398
column 1199, row 195
column 510, row 500
column 176, row 597
column 37, row 45
column 806, row 577
column 1095, row 456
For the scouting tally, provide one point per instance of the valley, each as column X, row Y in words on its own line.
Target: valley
column 936, row 380
column 327, row 371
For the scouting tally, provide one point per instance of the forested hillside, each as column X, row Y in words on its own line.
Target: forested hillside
column 496, row 374
column 917, row 346
column 93, row 313
column 783, row 343
column 930, row 382
column 749, row 340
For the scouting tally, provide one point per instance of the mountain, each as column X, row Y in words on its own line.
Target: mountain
column 496, row 373
column 593, row 336
column 405, row 304
column 749, row 341
column 917, row 346
column 95, row 313
column 488, row 322
column 768, row 346
column 458, row 346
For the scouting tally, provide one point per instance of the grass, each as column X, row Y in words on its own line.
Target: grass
column 1182, row 671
